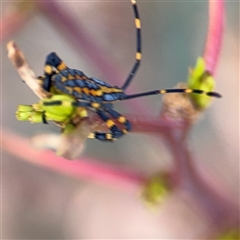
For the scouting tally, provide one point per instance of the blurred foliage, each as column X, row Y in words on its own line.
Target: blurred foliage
column 233, row 234
column 156, row 189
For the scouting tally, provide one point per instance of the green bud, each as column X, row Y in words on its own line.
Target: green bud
column 23, row 116
column 199, row 78
column 156, row 189
column 36, row 117
column 37, row 107
column 25, row 108
column 55, row 108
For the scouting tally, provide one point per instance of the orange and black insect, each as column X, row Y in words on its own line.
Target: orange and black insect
column 98, row 95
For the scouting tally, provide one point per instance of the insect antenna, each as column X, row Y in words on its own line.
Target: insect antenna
column 180, row 90
column 138, row 46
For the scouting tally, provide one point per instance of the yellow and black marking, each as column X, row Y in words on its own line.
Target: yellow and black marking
column 111, row 89
column 53, row 65
column 138, row 46
column 48, row 69
column 82, row 112
column 110, row 123
column 61, row 66
column 86, row 90
column 115, row 132
column 56, row 63
column 102, row 136
column 95, row 105
column 64, row 79
column 97, row 93
column 180, row 90
column 121, row 119
column 71, row 77
column 77, row 89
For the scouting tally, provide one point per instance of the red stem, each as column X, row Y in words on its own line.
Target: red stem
column 215, row 34
column 91, row 170
column 13, row 23
column 209, row 193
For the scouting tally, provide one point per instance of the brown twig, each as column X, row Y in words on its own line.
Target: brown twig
column 26, row 73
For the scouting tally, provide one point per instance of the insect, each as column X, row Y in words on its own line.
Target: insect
column 99, row 96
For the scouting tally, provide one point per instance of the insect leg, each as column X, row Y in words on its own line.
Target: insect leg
column 115, row 132
column 121, row 119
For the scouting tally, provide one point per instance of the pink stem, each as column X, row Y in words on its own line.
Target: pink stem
column 88, row 169
column 215, row 34
column 13, row 23
column 91, row 170
column 151, row 124
column 209, row 193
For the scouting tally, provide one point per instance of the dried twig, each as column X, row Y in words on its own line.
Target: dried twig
column 26, row 73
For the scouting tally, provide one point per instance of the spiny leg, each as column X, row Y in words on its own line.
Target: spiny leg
column 52, row 62
column 115, row 132
column 138, row 46
column 180, row 90
column 121, row 119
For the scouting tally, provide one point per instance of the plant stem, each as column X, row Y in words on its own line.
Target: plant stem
column 214, row 35
column 88, row 169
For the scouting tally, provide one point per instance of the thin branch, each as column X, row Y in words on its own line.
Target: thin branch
column 84, row 169
column 26, row 73
column 209, row 193
column 151, row 124
column 214, row 35
column 13, row 23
